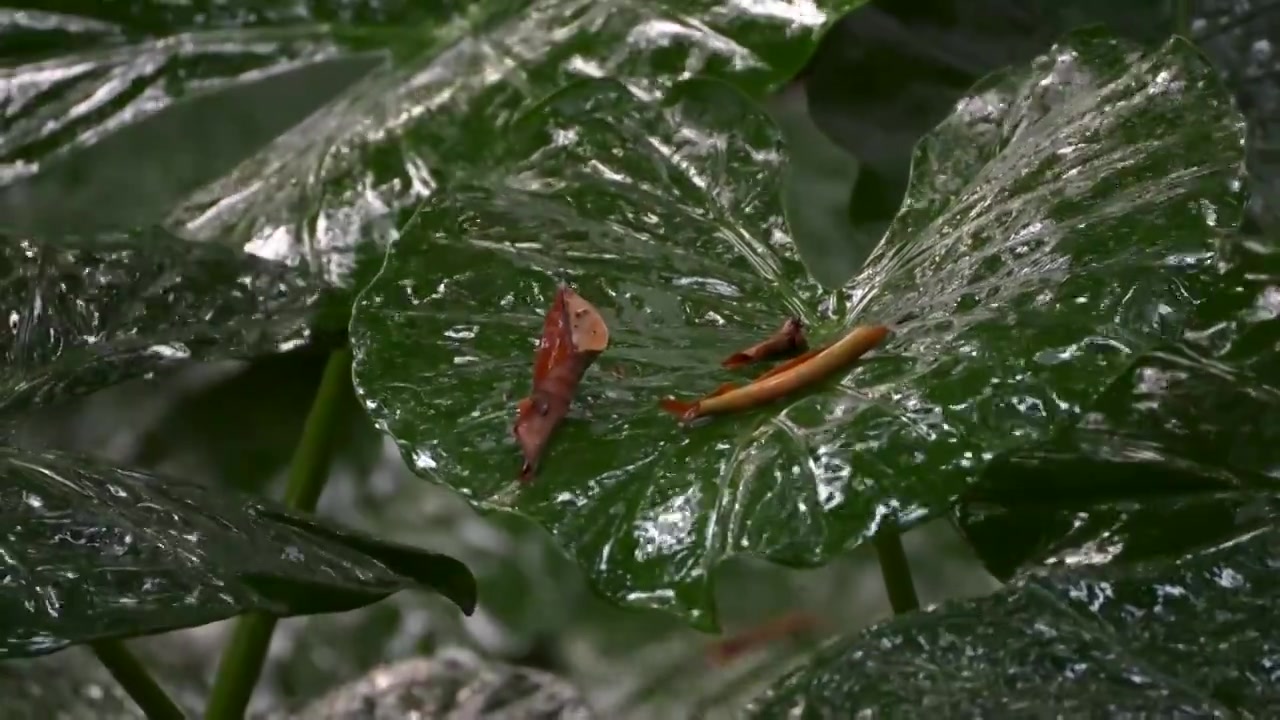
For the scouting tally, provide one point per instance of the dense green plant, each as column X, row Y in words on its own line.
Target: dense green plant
column 1086, row 350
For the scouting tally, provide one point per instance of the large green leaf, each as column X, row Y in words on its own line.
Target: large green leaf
column 1191, row 635
column 86, row 313
column 121, row 114
column 885, row 75
column 137, row 174
column 79, row 20
column 352, row 172
column 1177, row 454
column 116, row 91
column 1060, row 221
column 93, row 552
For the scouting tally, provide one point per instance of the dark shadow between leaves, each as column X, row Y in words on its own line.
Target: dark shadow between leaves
column 815, row 194
column 1017, row 540
column 238, row 429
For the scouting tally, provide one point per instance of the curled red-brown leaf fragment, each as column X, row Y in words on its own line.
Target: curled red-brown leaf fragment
column 785, row 340
column 573, row 335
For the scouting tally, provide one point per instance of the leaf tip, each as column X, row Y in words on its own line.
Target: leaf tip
column 454, row 580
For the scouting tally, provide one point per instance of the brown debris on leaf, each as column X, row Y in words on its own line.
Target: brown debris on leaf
column 785, row 340
column 794, row 375
column 573, row 336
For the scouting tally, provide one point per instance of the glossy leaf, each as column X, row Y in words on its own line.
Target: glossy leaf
column 92, row 552
column 1061, row 220
column 139, row 173
column 169, row 98
column 353, row 172
column 77, row 19
column 86, row 313
column 1190, row 635
column 1178, row 454
column 885, row 75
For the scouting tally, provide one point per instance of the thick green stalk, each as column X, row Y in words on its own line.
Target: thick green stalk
column 896, row 571
column 136, row 681
column 242, row 661
column 1182, row 18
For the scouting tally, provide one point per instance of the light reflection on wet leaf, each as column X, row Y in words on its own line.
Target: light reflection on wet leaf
column 1040, row 219
column 1179, row 453
column 79, row 173
column 87, row 313
column 352, row 173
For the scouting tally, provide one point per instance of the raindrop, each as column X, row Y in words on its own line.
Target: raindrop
column 122, row 547
column 1228, row 578
column 1260, row 50
column 423, row 461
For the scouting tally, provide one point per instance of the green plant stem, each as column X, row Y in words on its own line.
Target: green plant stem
column 136, row 681
column 896, row 571
column 309, row 469
column 1182, row 18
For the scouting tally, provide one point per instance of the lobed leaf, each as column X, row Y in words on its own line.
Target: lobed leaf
column 1062, row 220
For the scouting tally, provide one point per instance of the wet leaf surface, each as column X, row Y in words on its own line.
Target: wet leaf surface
column 1178, row 453
column 1063, row 220
column 353, row 172
column 92, row 552
column 104, row 106
column 1189, row 635
column 887, row 74
column 137, row 174
column 352, row 175
column 86, row 313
